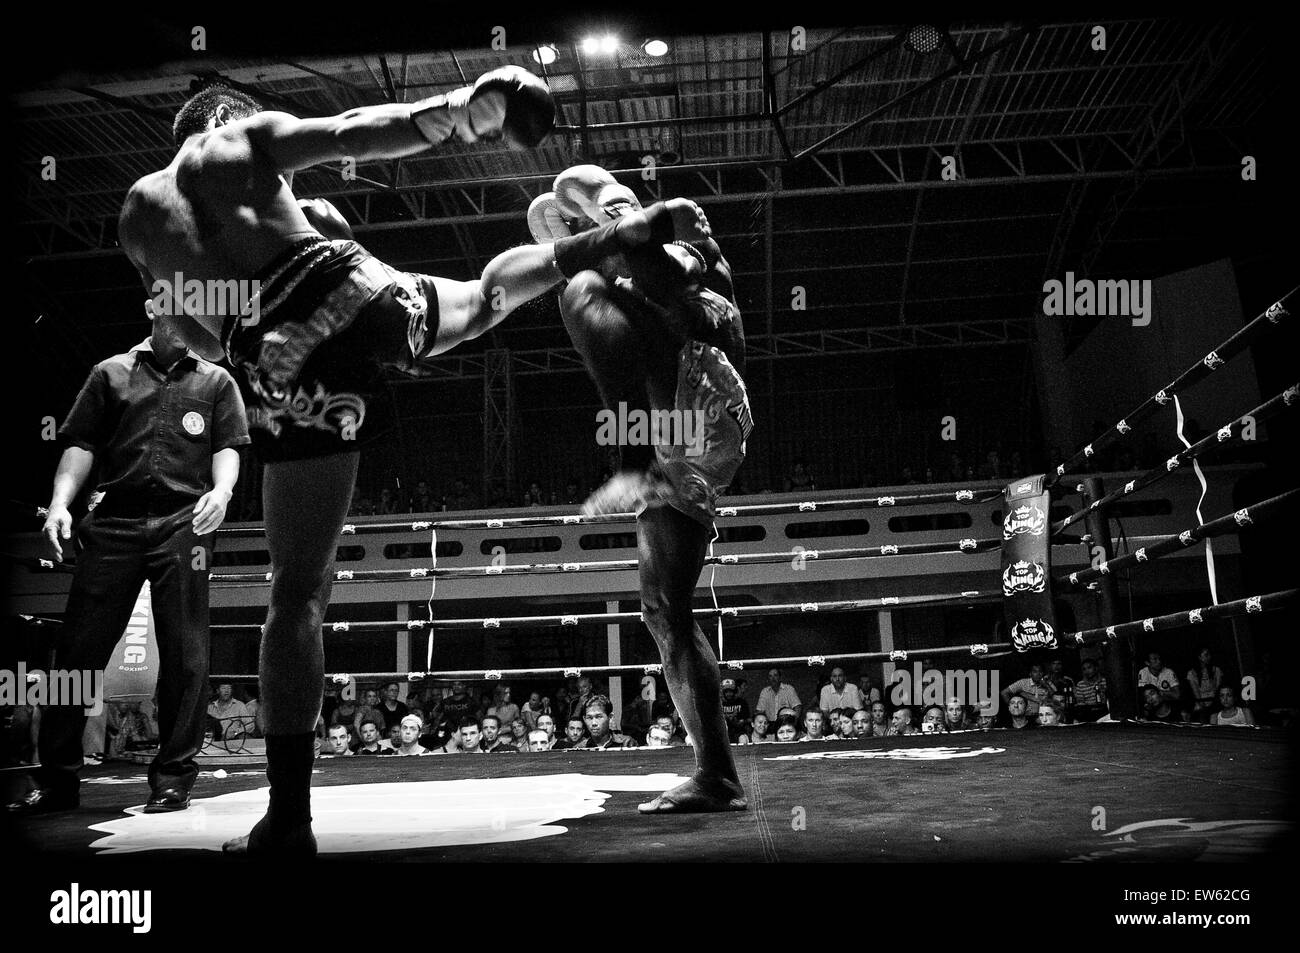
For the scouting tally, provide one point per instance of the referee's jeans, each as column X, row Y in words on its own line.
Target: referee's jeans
column 116, row 554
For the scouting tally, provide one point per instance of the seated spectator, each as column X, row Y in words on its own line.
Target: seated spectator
column 844, row 726
column 395, row 735
column 813, row 726
column 932, row 722
column 1018, row 712
column 760, row 732
column 464, row 740
column 1034, row 689
column 787, row 729
column 988, row 717
column 336, row 743
column 538, row 740
column 600, row 733
column 492, row 742
column 391, row 707
column 800, row 478
column 673, row 726
column 519, row 734
column 777, row 695
column 1230, row 713
column 344, row 713
column 1061, row 685
column 861, row 721
column 230, row 712
column 369, row 708
column 879, row 720
column 1090, row 694
column 658, row 737
column 575, row 734
column 409, row 733
column 422, row 498
column 505, row 710
column 869, row 692
column 455, row 708
column 547, row 724
column 1155, row 673
column 735, row 710
column 1156, row 707
column 1205, row 681
column 840, row 693
column 956, row 717
column 532, row 710
column 902, row 723
column 534, row 496
column 371, row 743
column 1048, row 717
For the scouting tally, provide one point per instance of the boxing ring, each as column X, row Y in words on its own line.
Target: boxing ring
column 1164, row 792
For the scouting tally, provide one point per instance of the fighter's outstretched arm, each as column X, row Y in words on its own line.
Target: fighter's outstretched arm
column 508, row 103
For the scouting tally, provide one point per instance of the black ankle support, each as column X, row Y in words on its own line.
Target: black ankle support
column 288, row 769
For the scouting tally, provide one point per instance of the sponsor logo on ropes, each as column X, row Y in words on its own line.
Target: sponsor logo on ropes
column 1162, row 398
column 1022, row 519
column 1033, row 634
column 1194, row 617
column 1141, row 554
column 940, row 753
column 967, row 545
column 965, row 496
column 1276, row 312
column 1123, row 426
column 1255, row 604
column 1212, row 361
column 1023, row 576
column 1242, row 517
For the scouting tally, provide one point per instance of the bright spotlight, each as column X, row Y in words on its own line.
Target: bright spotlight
column 609, row 43
column 591, row 45
column 654, row 47
column 544, row 54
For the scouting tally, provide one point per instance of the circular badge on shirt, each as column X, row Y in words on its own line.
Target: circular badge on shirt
column 193, row 423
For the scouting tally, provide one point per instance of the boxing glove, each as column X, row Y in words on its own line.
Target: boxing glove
column 546, row 220
column 523, row 117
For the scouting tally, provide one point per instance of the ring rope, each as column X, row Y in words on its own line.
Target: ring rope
column 1177, row 620
column 1227, row 433
column 1231, row 523
column 981, row 494
column 980, row 650
column 627, row 565
column 609, row 618
column 1271, row 317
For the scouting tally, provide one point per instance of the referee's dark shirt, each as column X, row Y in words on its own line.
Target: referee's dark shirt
column 154, row 431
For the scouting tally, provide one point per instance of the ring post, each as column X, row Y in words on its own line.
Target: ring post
column 1117, row 661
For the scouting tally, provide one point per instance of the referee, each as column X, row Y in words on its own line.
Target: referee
column 162, row 425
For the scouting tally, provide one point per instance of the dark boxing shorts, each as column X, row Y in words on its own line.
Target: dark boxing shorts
column 310, row 354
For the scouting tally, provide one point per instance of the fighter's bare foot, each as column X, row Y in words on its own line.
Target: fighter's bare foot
column 296, row 841
column 664, row 222
column 624, row 492
column 698, row 797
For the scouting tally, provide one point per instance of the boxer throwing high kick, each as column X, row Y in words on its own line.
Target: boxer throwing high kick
column 328, row 319
column 658, row 328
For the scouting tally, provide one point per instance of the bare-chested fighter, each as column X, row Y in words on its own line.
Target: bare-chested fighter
column 327, row 320
column 658, row 328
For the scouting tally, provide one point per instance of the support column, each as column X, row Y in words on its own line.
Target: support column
column 403, row 655
column 885, row 621
column 1117, row 662
column 614, row 656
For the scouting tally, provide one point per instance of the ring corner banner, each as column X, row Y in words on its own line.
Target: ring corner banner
column 1026, row 564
